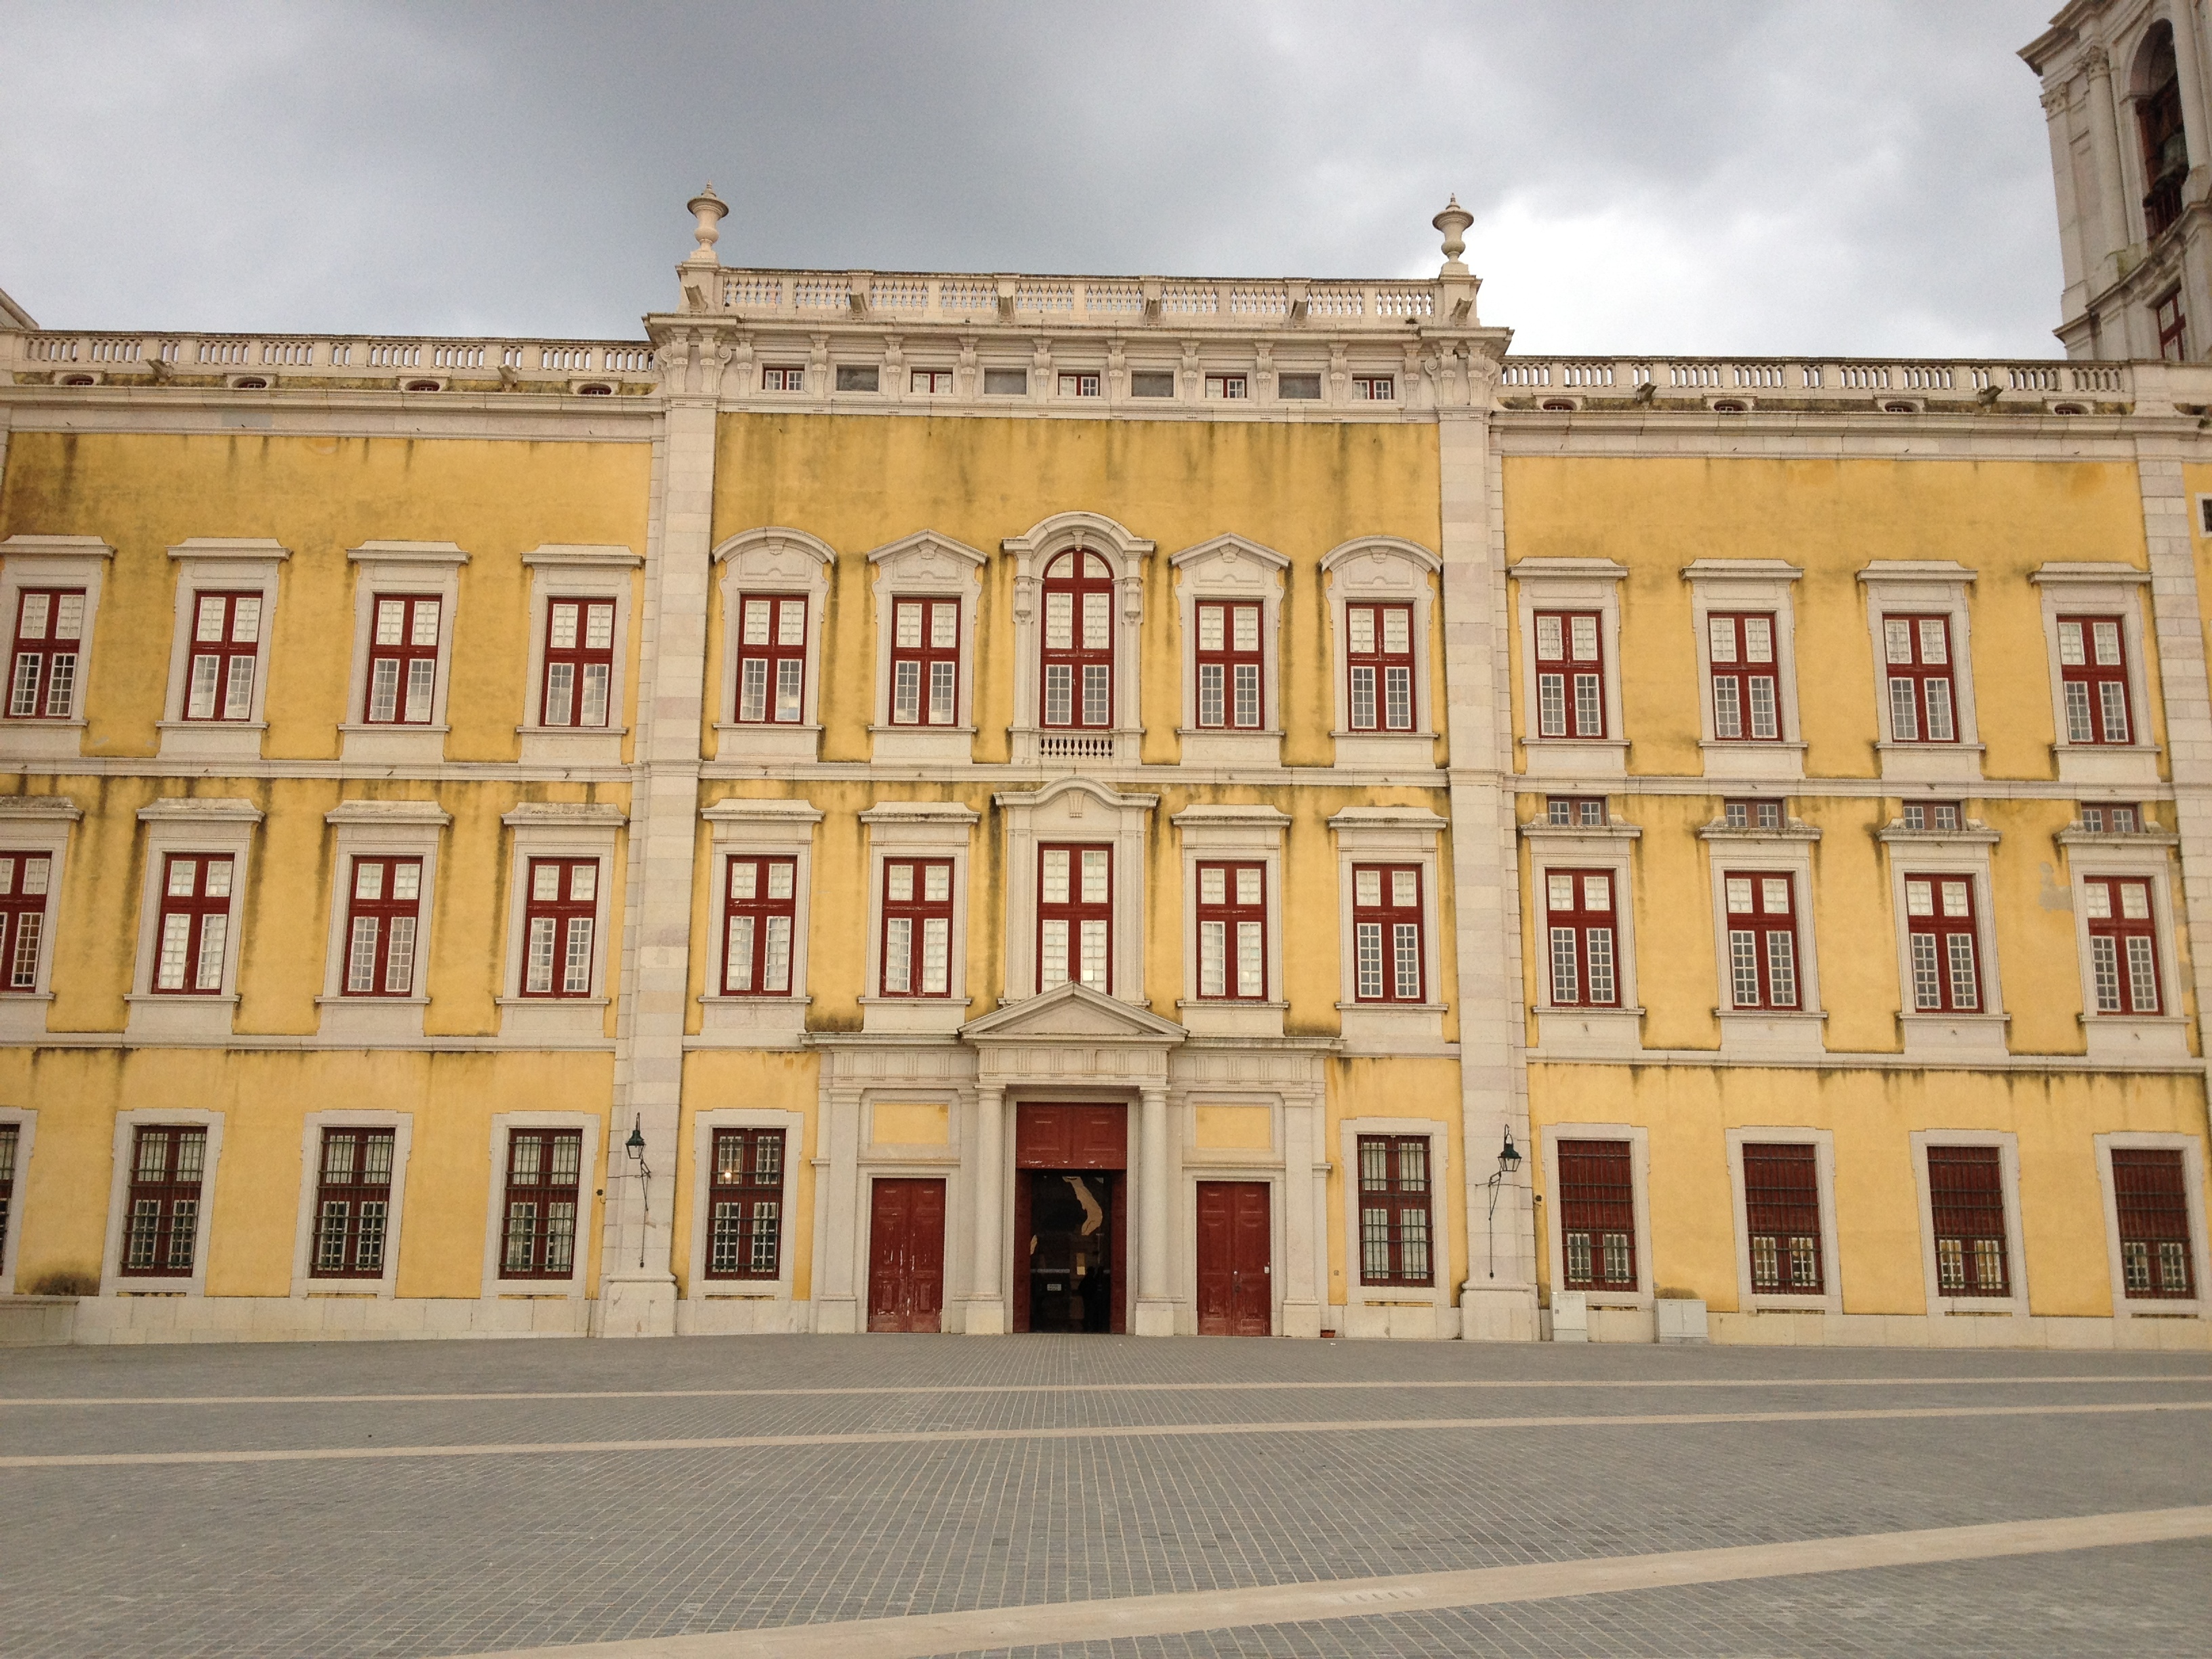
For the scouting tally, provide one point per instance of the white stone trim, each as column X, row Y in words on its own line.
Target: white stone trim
column 51, row 562
column 2119, row 589
column 1231, row 568
column 1737, row 585
column 400, row 567
column 26, row 1120
column 1122, row 743
column 1583, row 1033
column 181, row 824
column 1555, row 1214
column 2008, row 1145
column 550, row 830
column 1254, row 835
column 220, row 564
column 1939, row 1037
column 1831, row 1300
column 383, row 1287
column 1391, row 834
column 1386, row 1310
column 579, row 571
column 1772, row 852
column 2191, row 1148
column 898, row 829
column 588, row 1186
column 1571, row 585
column 771, row 829
column 39, row 824
column 1063, row 811
column 402, row 829
column 2117, row 1039
column 772, row 560
column 743, row 1305
column 925, row 565
column 1391, row 571
column 1925, row 588
column 127, row 1121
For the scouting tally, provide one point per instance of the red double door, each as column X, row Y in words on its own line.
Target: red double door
column 906, row 1256
column 1236, row 1275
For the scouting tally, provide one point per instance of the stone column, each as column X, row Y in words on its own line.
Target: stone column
column 2112, row 192
column 987, row 1185
column 1303, row 1289
column 1155, row 1309
column 838, row 1273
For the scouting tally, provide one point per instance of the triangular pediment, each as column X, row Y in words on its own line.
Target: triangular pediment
column 1074, row 1012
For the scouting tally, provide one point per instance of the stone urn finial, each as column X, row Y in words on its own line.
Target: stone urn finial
column 1454, row 222
column 708, row 208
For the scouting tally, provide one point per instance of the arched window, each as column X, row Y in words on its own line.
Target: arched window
column 2165, row 145
column 1077, row 681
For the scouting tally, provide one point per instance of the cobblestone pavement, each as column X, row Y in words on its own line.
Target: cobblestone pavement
column 924, row 1475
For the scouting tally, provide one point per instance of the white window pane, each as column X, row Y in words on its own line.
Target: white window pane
column 1781, row 968
column 1249, row 880
column 898, row 956
column 1059, row 622
column 2108, row 644
column 1398, row 699
column 1551, row 705
column 1211, row 703
column 1957, row 898
column 1251, row 977
column 361, row 956
column 1248, row 694
column 1405, row 962
column 238, row 696
column 1739, row 894
column 1590, row 707
column 789, row 672
column 1094, row 681
column 406, row 881
column 1055, row 875
column 399, row 957
column 367, row 879
column 1551, row 639
column 944, row 625
column 425, row 631
column 941, row 693
column 201, row 705
column 1094, row 875
column 738, row 962
column 584, row 882
column 1213, row 628
column 2097, row 901
column 594, row 712
column 906, row 623
column 1052, row 944
column 207, row 623
column 906, row 693
column 1601, row 964
column 1212, row 884
column 1404, row 889
column 936, row 955
column 1093, row 965
column 576, row 959
column 560, row 693
column 68, row 617
column 752, row 688
column 600, row 627
column 775, row 969
column 169, row 969
column 755, row 621
column 1935, row 642
column 391, row 621
column 35, row 875
column 1728, row 708
column 1965, row 993
column 2134, row 901
column 1213, row 954
column 936, row 883
column 564, row 627
column 1566, row 969
column 1360, row 622
column 2070, row 645
column 1397, row 630
column 1583, row 636
column 791, row 622
column 1940, row 729
column 1597, row 892
column 1904, row 711
column 1919, row 898
column 544, row 882
column 2113, row 698
column 420, row 677
column 1247, row 623
column 2104, row 970
column 1559, row 892
column 2142, row 975
column 1774, row 895
column 1743, row 967
column 1094, row 568
column 217, row 884
column 1366, row 887
column 1720, row 633
column 1927, row 978
column 1096, row 621
column 898, row 882
column 1363, row 697
column 1763, row 722
column 1367, row 949
column 1758, row 639
column 214, row 931
column 1059, row 694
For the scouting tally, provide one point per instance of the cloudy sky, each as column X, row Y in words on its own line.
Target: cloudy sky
column 1751, row 177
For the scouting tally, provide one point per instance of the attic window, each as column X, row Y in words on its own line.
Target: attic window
column 595, row 389
column 1303, row 386
column 1005, row 382
column 2068, row 409
column 856, row 377
column 1152, row 383
column 1898, row 409
column 1562, row 406
column 411, row 385
column 1726, row 406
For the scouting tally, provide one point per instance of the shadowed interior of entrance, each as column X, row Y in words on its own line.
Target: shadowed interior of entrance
column 1070, row 1210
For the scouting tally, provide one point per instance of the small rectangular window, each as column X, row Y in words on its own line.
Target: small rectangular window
column 1379, row 666
column 1575, row 811
column 2093, row 674
column 26, row 879
column 543, row 1192
column 760, row 916
column 2147, row 1184
column 1005, row 382
column 1379, row 387
column 560, row 909
column 925, row 662
column 1228, row 661
column 353, row 1203
column 857, row 377
column 1782, row 1211
column 917, row 942
column 1387, row 921
column 1582, row 932
column 2123, row 966
column 744, row 1205
column 1944, row 816
column 933, row 382
column 1231, row 913
column 192, row 923
column 1570, row 675
column 1762, row 939
column 782, row 377
column 580, row 662
column 1917, row 652
column 225, row 652
column 1302, row 388
column 402, row 659
column 1152, row 383
column 1966, row 1192
column 1224, row 385
column 2106, row 819
column 1394, row 1232
column 1751, row 814
column 1078, row 386
column 1075, row 917
column 49, row 640
column 771, row 659
column 1597, row 1215
column 1747, row 707
column 162, row 1217
column 384, row 908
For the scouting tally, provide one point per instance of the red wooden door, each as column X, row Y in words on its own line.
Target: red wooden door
column 1236, row 1280
column 906, row 1256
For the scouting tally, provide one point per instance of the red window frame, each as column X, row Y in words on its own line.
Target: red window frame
column 1782, row 1214
column 560, row 927
column 384, row 910
column 2124, row 955
column 782, row 377
column 10, row 1135
column 2092, row 676
column 353, row 1203
column 1597, row 1216
column 1569, row 674
column 1378, row 667
column 2150, row 1190
column 1075, row 681
column 1746, row 702
column 932, row 381
column 757, row 894
column 1583, row 941
column 578, row 686
column 225, row 655
column 1387, row 902
column 1922, row 668
column 1231, row 912
column 542, row 1204
column 161, row 1208
column 1966, row 1204
column 2172, row 327
column 26, row 885
column 1230, row 386
column 404, row 630
column 772, row 658
column 1943, row 943
column 43, row 677
column 1764, row 960
column 1084, row 904
column 192, row 925
column 915, row 949
column 1230, row 694
column 1379, row 387
column 924, row 661
column 1395, row 1231
column 744, row 1205
column 1578, row 812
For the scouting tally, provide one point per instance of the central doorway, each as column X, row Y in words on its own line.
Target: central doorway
column 1070, row 1212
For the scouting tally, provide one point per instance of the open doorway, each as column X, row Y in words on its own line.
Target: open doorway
column 1071, row 1218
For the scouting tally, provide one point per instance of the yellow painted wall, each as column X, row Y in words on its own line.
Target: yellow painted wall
column 1403, row 1087
column 760, row 1080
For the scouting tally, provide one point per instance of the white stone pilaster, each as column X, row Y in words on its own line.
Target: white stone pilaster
column 1155, row 1311
column 837, row 1271
column 987, row 1184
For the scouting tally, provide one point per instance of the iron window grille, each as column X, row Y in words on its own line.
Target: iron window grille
column 1393, row 1211
column 1782, row 1211
column 542, row 1195
column 1597, row 1215
column 163, row 1221
column 2153, row 1213
column 745, row 1202
column 1965, row 1189
column 353, row 1203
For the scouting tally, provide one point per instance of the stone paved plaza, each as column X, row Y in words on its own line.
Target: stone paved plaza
column 481, row 1498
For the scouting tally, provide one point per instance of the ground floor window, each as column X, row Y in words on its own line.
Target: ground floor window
column 167, row 1166
column 1597, row 1215
column 1394, row 1210
column 745, row 1204
column 353, row 1203
column 2154, row 1209
column 1781, row 1207
column 1965, row 1192
column 542, row 1168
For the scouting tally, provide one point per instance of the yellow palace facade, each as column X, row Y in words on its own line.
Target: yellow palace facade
column 914, row 802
